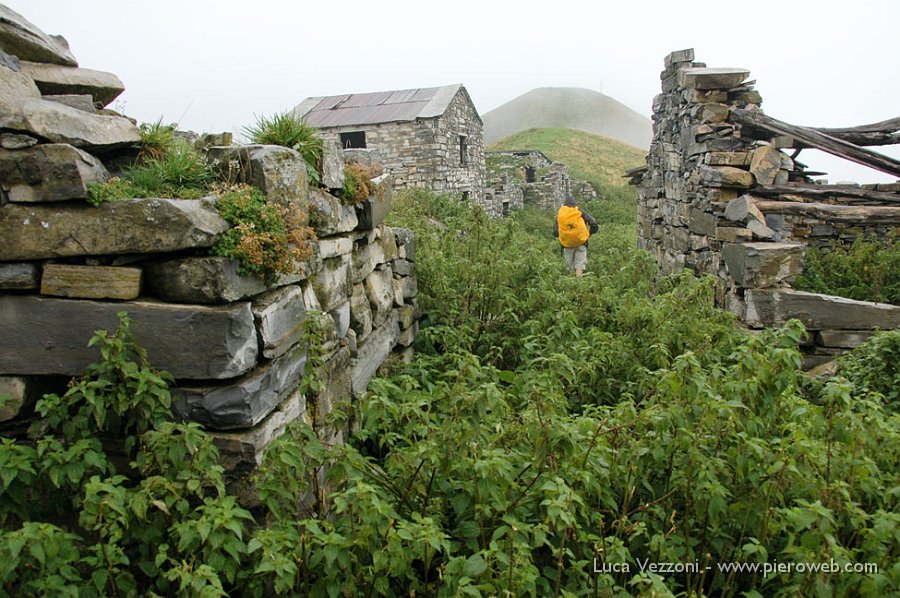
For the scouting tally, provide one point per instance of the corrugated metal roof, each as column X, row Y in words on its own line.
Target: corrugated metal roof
column 377, row 107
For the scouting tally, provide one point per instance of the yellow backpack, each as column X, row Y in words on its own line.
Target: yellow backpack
column 573, row 231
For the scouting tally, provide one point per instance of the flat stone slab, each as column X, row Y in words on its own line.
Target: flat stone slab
column 24, row 39
column 85, row 103
column 53, row 79
column 277, row 171
column 245, row 402
column 761, row 265
column 49, row 172
column 711, row 78
column 91, row 282
column 328, row 216
column 206, row 280
column 847, row 339
column 49, row 336
column 279, row 318
column 63, row 124
column 373, row 211
column 332, row 283
column 774, row 307
column 725, row 176
column 372, row 353
column 20, row 277
column 32, row 232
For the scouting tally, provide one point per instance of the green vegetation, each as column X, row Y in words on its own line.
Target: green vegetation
column 594, row 158
column 548, row 428
column 265, row 238
column 166, row 167
column 867, row 270
column 358, row 185
column 288, row 130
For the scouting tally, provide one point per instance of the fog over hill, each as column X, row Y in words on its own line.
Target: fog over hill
column 570, row 108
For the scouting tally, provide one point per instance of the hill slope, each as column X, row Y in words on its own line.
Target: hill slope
column 570, row 108
column 593, row 158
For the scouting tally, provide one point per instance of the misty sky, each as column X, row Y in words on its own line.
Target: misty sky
column 211, row 65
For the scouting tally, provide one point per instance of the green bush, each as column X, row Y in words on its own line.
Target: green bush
column 288, row 130
column 867, row 270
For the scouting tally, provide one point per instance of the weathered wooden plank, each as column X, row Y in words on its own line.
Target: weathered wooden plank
column 820, row 191
column 835, row 213
column 886, row 132
column 813, row 138
column 91, row 282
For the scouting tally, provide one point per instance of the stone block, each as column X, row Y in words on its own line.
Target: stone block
column 91, row 282
column 53, row 79
column 410, row 287
column 732, row 234
column 31, row 232
column 727, row 159
column 765, row 164
column 761, row 265
column 388, row 241
column 341, row 317
column 366, row 257
column 15, row 141
column 328, row 216
column 743, row 209
column 20, row 37
column 85, row 103
column 760, row 230
column 408, row 335
column 403, row 267
column 335, row 247
column 279, row 172
column 50, row 336
column 774, row 307
column 332, row 165
column 360, row 312
column 702, row 223
column 332, row 283
column 279, row 318
column 713, row 113
column 711, row 78
column 62, row 124
column 398, row 292
column 241, row 452
column 19, row 276
column 679, row 56
column 337, row 389
column 406, row 243
column 698, row 96
column 371, row 353
column 379, row 287
column 242, row 403
column 49, row 172
column 203, row 280
column 725, row 176
column 373, row 211
column 406, row 316
column 846, row 339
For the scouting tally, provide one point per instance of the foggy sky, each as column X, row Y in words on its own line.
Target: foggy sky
column 213, row 65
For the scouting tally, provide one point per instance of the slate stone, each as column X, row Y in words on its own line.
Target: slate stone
column 406, row 243
column 760, row 230
column 9, row 61
column 406, row 315
column 14, row 141
column 20, row 37
column 727, row 159
column 20, row 277
column 408, row 335
column 49, row 336
column 332, row 166
column 702, row 223
column 379, row 287
column 373, row 211
column 62, row 124
column 15, row 88
column 277, row 171
column 743, row 209
column 332, row 283
column 410, row 287
column 203, row 280
column 761, row 265
column 54, row 79
column 85, row 103
column 341, row 317
column 403, row 267
column 725, row 176
column 279, row 317
column 245, row 402
column 335, row 247
column 711, row 78
column 765, row 164
column 371, row 354
column 49, row 172
column 388, row 241
column 37, row 231
column 774, row 307
column 365, row 258
column 328, row 216
column 679, row 56
column 360, row 312
column 846, row 339
column 91, row 282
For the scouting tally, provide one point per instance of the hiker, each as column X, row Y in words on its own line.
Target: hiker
column 573, row 227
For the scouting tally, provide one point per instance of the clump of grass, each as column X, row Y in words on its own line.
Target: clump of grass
column 289, row 130
column 866, row 270
column 358, row 184
column 265, row 238
column 157, row 140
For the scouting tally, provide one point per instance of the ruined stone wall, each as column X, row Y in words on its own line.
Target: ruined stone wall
column 509, row 173
column 426, row 152
column 705, row 202
column 231, row 341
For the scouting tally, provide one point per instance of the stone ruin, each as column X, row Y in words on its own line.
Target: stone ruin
column 721, row 196
column 231, row 341
column 528, row 177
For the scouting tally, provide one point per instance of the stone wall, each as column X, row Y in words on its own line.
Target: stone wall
column 722, row 200
column 426, row 152
column 231, row 341
column 528, row 174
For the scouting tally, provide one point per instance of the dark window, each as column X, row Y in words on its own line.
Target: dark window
column 465, row 196
column 506, row 208
column 353, row 140
column 529, row 174
column 463, row 151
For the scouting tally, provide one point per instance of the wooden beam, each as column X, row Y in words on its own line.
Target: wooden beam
column 820, row 191
column 821, row 141
column 886, row 132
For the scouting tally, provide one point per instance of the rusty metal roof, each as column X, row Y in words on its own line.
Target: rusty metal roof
column 378, row 107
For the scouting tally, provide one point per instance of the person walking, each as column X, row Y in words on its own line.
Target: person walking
column 573, row 227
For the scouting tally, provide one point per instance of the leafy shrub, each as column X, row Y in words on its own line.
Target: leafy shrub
column 875, row 367
column 265, row 238
column 358, row 185
column 867, row 270
column 289, row 130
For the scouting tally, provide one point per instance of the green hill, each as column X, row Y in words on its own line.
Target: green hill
column 590, row 157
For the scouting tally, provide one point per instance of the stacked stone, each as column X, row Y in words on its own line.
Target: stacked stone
column 231, row 341
column 696, row 209
column 510, row 185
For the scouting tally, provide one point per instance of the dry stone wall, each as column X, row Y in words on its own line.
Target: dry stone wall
column 232, row 341
column 722, row 201
column 520, row 177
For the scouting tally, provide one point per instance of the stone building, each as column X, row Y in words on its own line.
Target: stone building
column 427, row 137
column 519, row 177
